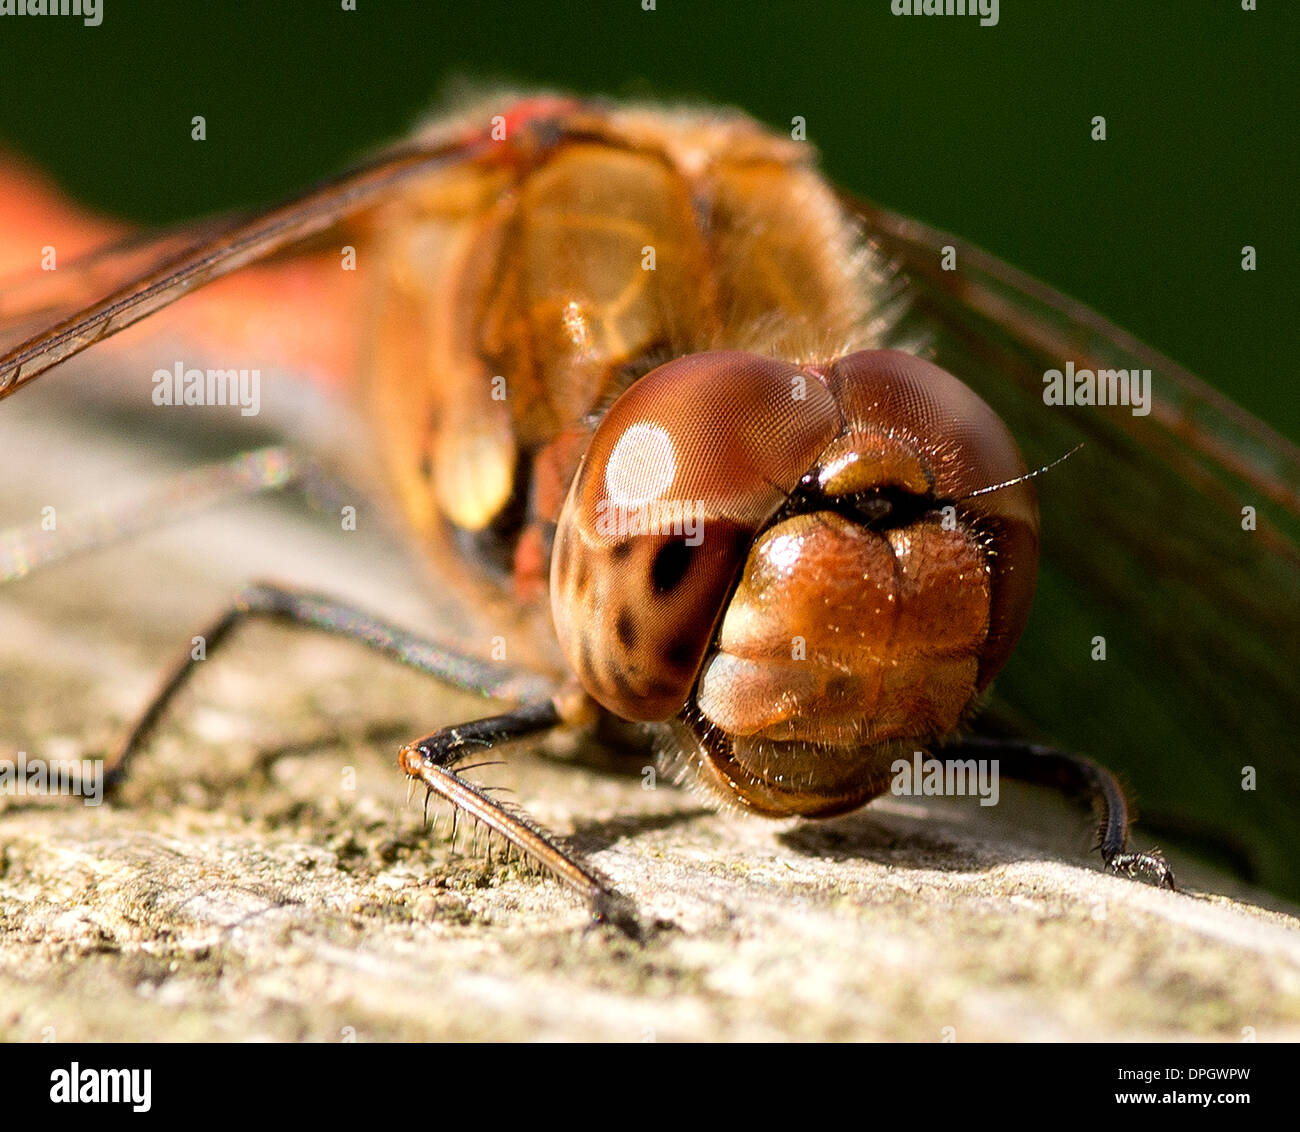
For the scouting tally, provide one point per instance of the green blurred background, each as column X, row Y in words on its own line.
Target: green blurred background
column 982, row 131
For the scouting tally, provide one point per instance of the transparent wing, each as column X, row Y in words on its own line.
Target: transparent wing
column 1147, row 544
column 143, row 276
column 35, row 301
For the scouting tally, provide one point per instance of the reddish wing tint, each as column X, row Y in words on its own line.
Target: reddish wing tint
column 246, row 242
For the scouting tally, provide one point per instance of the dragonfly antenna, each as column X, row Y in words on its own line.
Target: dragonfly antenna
column 1026, row 476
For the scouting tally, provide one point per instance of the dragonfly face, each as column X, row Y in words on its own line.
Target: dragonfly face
column 785, row 562
column 581, row 317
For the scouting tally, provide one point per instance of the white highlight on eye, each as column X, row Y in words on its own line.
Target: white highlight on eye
column 641, row 466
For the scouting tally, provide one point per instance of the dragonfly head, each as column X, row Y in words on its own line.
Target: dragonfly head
column 791, row 566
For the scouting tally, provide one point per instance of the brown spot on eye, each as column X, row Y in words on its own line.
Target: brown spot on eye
column 620, row 550
column 624, row 687
column 662, row 688
column 625, row 627
column 679, row 653
column 670, row 565
column 652, row 688
column 585, row 658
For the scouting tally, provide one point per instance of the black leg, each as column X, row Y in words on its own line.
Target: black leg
column 276, row 603
column 1079, row 777
column 433, row 759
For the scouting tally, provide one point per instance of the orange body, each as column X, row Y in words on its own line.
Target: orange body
column 521, row 294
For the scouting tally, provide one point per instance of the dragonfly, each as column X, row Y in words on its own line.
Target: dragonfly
column 739, row 455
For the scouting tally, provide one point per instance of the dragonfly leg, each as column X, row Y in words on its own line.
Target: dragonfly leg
column 271, row 602
column 1077, row 776
column 433, row 761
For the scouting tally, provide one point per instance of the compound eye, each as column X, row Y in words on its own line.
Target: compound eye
column 914, row 432
column 680, row 475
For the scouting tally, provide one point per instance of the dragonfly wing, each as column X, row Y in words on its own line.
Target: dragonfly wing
column 138, row 292
column 1173, row 537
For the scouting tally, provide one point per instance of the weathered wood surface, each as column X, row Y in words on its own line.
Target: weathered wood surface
column 266, row 878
